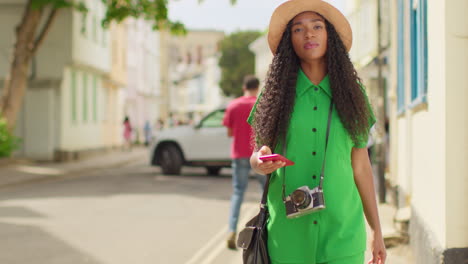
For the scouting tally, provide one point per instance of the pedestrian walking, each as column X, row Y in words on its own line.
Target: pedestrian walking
column 235, row 120
column 127, row 133
column 314, row 109
column 148, row 133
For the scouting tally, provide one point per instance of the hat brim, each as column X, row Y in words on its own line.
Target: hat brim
column 289, row 9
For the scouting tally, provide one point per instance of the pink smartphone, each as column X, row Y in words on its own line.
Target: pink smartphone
column 276, row 157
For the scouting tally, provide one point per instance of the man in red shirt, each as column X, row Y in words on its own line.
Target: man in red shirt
column 235, row 120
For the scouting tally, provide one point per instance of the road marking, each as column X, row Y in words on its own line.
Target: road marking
column 215, row 245
column 222, row 246
column 39, row 170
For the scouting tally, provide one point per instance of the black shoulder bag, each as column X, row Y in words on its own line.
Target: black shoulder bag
column 253, row 239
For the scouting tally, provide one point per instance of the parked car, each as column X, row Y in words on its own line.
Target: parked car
column 204, row 145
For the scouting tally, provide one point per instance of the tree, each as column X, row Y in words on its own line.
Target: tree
column 37, row 19
column 236, row 61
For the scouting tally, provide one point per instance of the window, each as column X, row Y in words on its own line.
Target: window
column 95, row 95
column 73, row 96
column 103, row 104
column 104, row 35
column 418, row 51
column 85, row 97
column 401, row 57
column 215, row 119
column 95, row 29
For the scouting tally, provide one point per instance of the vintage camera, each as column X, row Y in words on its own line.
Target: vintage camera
column 304, row 201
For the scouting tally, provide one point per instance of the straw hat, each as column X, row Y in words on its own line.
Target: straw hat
column 289, row 9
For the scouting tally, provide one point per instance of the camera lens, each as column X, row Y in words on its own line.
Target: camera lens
column 301, row 199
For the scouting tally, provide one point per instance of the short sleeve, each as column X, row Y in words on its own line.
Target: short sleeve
column 362, row 143
column 254, row 109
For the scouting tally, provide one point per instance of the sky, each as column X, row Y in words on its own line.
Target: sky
column 221, row 15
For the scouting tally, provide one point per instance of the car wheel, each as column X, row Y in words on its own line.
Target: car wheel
column 171, row 160
column 213, row 170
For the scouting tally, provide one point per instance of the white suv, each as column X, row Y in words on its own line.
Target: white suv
column 203, row 145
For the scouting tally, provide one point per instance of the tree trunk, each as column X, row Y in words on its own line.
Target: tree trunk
column 15, row 83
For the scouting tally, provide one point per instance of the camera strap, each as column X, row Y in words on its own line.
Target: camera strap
column 324, row 154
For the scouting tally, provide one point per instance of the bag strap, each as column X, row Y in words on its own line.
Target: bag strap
column 263, row 214
column 265, row 192
column 326, row 145
column 324, row 155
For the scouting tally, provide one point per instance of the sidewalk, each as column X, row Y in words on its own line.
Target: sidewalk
column 396, row 254
column 17, row 171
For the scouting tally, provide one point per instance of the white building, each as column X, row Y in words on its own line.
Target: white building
column 429, row 125
column 194, row 74
column 142, row 96
column 370, row 56
column 65, row 111
column 263, row 57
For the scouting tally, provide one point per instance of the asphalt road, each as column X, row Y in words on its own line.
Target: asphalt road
column 131, row 214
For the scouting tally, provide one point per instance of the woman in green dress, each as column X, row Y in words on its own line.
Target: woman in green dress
column 310, row 71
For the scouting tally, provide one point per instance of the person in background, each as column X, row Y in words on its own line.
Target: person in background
column 235, row 120
column 160, row 124
column 148, row 133
column 127, row 134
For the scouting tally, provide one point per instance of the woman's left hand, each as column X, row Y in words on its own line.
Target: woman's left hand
column 379, row 254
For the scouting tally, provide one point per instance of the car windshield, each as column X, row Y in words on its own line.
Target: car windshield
column 215, row 119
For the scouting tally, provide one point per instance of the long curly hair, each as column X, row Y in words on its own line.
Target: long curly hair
column 276, row 105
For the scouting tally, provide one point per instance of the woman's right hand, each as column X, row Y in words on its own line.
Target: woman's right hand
column 264, row 167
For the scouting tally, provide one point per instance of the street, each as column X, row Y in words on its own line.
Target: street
column 131, row 214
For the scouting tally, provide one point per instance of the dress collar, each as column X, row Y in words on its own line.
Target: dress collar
column 304, row 84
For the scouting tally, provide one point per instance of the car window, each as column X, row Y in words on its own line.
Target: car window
column 215, row 119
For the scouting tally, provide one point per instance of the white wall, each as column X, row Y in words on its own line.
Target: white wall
column 432, row 139
column 38, row 113
column 263, row 58
column 421, row 150
column 456, row 33
column 363, row 20
column 10, row 16
column 37, row 123
column 91, row 48
column 214, row 95
column 52, row 55
column 82, row 134
column 55, row 52
column 403, row 155
column 141, row 96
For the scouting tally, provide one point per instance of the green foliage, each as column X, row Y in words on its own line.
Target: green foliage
column 8, row 142
column 80, row 6
column 233, row 2
column 236, row 61
column 118, row 10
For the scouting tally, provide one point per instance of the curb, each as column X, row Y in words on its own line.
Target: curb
column 4, row 162
column 67, row 173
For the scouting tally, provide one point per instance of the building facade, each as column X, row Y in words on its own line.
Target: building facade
column 68, row 110
column 429, row 125
column 116, row 83
column 370, row 56
column 142, row 95
column 193, row 75
column 263, row 57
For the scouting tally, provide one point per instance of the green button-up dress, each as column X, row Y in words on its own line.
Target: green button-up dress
column 338, row 230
